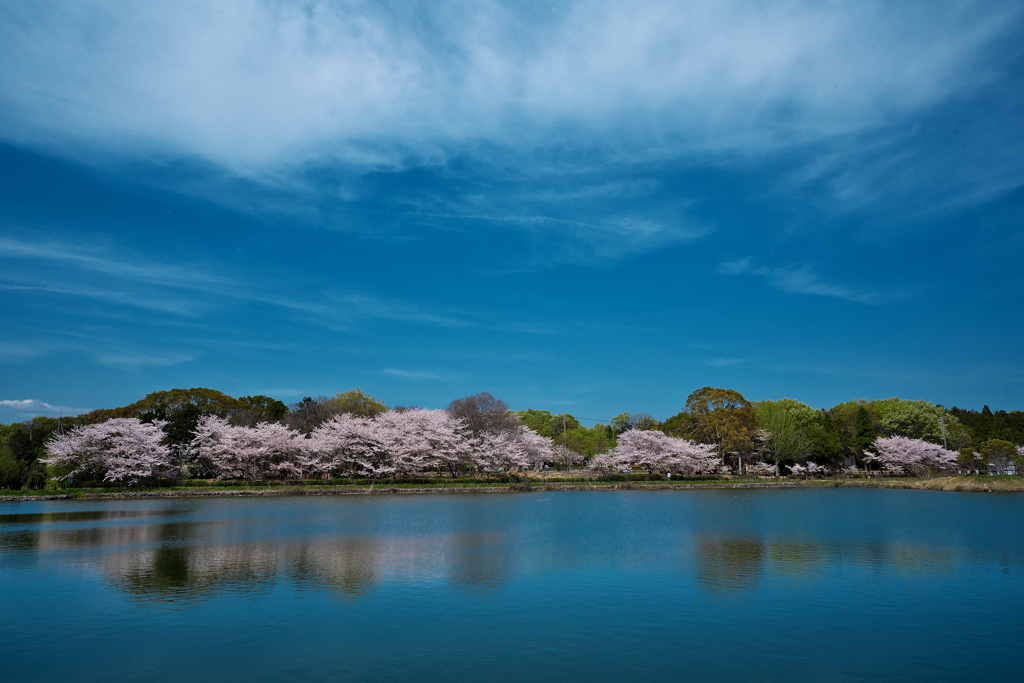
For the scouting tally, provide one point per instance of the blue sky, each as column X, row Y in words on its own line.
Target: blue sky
column 587, row 207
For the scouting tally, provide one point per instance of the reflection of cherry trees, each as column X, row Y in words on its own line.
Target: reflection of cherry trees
column 121, row 449
column 394, row 443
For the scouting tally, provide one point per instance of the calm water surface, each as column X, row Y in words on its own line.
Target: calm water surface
column 802, row 585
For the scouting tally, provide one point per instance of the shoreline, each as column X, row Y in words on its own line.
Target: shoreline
column 979, row 484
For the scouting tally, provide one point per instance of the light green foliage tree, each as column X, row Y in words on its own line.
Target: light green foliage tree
column 546, row 424
column 913, row 419
column 785, row 426
column 589, row 442
column 356, row 402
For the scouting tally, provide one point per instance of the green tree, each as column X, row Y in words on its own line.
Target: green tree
column 827, row 446
column 680, row 424
column 913, row 419
column 623, row 422
column 10, row 469
column 546, row 424
column 356, row 402
column 722, row 417
column 785, row 424
column 165, row 403
column 259, row 408
column 589, row 442
column 865, row 432
column 1001, row 457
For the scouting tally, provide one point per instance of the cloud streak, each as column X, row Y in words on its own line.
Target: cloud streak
column 30, row 407
column 414, row 375
column 800, row 280
column 253, row 85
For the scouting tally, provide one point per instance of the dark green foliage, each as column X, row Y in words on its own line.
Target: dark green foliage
column 159, row 404
column 259, row 408
column 623, row 422
column 21, row 444
column 827, row 446
column 985, row 425
column 722, row 417
column 10, row 469
column 999, row 455
column 865, row 432
column 679, row 425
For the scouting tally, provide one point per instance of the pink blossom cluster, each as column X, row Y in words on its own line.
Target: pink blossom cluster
column 808, row 469
column 658, row 452
column 121, row 449
column 250, row 453
column 903, row 455
column 394, row 443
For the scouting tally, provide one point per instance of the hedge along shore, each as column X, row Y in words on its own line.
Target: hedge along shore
column 958, row 484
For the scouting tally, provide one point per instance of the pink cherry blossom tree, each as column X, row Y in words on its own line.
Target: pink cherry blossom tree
column 658, row 452
column 511, row 450
column 564, row 458
column 814, row 468
column 352, row 445
column 649, row 450
column 420, row 439
column 903, row 455
column 120, row 449
column 250, row 453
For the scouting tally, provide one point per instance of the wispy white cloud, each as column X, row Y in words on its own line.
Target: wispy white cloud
column 15, row 352
column 97, row 259
column 133, row 361
column 30, row 407
column 415, row 375
column 723, row 362
column 252, row 84
column 737, row 267
column 178, row 289
column 803, row 280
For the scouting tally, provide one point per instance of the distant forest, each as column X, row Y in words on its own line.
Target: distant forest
column 785, row 431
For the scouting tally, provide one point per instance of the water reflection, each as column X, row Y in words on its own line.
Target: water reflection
column 63, row 516
column 183, row 553
column 480, row 562
column 728, row 565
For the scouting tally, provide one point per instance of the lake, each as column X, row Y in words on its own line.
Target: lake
column 751, row 585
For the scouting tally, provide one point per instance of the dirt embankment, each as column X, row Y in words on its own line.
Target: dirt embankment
column 963, row 484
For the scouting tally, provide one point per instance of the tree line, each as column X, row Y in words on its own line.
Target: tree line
column 202, row 432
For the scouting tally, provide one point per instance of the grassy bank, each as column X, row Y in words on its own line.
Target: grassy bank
column 981, row 484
